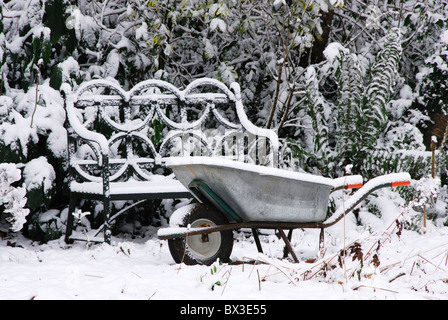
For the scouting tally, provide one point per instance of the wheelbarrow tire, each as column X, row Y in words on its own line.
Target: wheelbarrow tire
column 202, row 249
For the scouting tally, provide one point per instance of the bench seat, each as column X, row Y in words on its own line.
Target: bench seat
column 160, row 187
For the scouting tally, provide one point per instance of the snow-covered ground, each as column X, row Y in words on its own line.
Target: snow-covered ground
column 395, row 264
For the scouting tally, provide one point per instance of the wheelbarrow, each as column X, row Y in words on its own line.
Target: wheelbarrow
column 234, row 195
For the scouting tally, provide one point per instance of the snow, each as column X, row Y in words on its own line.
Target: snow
column 42, row 31
column 333, row 50
column 142, row 32
column 337, row 3
column 68, row 67
column 397, row 263
column 178, row 216
column 283, row 173
column 39, row 173
column 13, row 198
column 412, row 266
column 278, row 3
column 444, row 37
column 157, row 184
column 209, row 49
column 413, row 263
column 83, row 132
column 217, row 23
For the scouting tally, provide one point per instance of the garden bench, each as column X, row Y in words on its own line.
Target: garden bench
column 118, row 141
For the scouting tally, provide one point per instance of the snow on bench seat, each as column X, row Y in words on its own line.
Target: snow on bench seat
column 160, row 184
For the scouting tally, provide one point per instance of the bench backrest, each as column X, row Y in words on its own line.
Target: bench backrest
column 130, row 133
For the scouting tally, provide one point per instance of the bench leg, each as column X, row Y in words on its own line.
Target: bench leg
column 70, row 220
column 106, row 215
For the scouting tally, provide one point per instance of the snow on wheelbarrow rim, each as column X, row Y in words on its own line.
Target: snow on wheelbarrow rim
column 355, row 181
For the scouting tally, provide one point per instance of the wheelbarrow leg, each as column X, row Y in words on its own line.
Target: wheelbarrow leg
column 321, row 242
column 257, row 240
column 288, row 245
column 285, row 250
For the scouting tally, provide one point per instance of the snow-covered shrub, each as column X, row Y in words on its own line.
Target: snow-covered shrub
column 433, row 100
column 47, row 225
column 33, row 43
column 39, row 177
column 355, row 127
column 421, row 199
column 12, row 198
column 33, row 134
column 35, row 191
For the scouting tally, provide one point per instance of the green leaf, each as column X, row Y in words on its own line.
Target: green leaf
column 158, row 128
column 46, row 52
column 54, row 18
column 56, row 78
column 37, row 49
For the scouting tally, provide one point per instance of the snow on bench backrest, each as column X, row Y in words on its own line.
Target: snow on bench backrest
column 133, row 132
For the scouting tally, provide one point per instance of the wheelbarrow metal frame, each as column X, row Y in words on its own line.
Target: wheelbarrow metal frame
column 204, row 194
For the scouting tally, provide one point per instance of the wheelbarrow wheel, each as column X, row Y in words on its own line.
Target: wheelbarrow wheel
column 203, row 248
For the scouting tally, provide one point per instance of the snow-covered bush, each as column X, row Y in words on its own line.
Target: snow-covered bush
column 359, row 127
column 433, row 100
column 39, row 178
column 12, row 198
column 35, row 191
column 47, row 225
column 33, row 135
column 32, row 45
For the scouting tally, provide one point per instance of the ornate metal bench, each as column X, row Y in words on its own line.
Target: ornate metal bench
column 118, row 140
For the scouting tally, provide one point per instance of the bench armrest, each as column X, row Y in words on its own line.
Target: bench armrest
column 91, row 136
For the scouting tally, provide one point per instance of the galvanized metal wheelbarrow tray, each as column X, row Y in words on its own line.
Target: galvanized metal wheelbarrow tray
column 257, row 197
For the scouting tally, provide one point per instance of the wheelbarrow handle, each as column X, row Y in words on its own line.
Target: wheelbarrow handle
column 347, row 182
column 385, row 181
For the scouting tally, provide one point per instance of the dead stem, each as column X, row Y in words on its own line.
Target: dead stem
column 431, row 263
column 374, row 288
column 385, row 268
column 279, row 268
column 397, row 276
